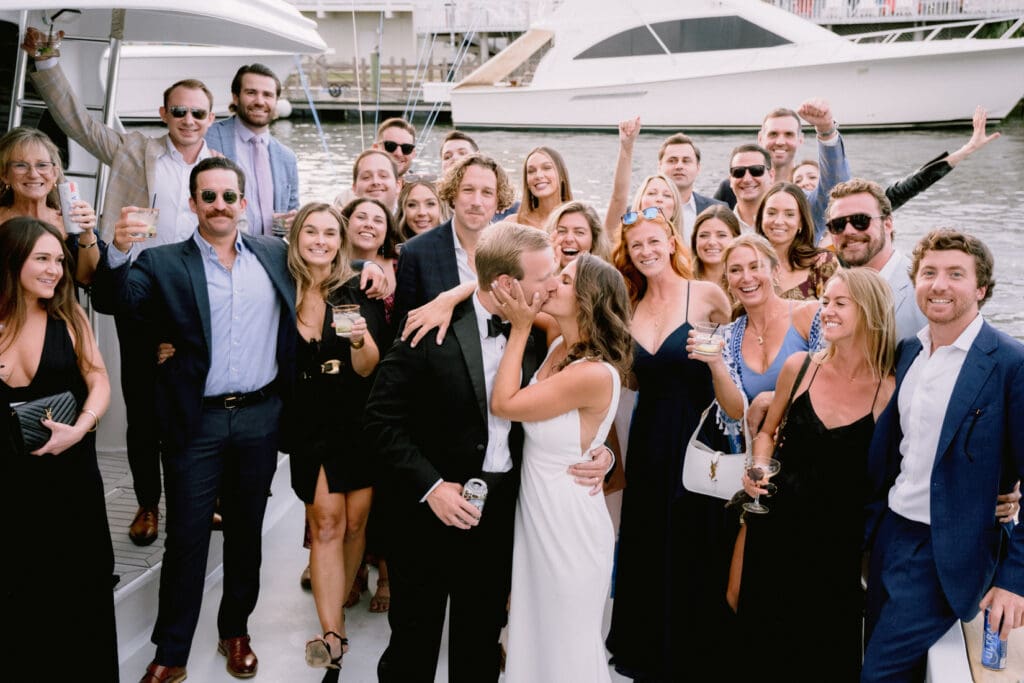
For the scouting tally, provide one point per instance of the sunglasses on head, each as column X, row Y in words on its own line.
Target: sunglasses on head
column 179, row 112
column 390, row 147
column 859, row 221
column 650, row 213
column 756, row 171
column 210, row 196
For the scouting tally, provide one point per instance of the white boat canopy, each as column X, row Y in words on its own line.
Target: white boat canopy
column 260, row 24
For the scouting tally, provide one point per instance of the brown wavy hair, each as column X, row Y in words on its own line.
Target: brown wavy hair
column 950, row 239
column 598, row 238
column 404, row 231
column 603, row 316
column 18, row 237
column 449, row 188
column 802, row 253
column 564, row 186
column 722, row 213
column 391, row 238
column 636, row 284
column 341, row 270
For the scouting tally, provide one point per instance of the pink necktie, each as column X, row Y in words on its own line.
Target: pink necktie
column 264, row 185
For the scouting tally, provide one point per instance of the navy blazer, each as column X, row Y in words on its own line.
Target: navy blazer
column 701, row 202
column 980, row 455
column 284, row 168
column 166, row 289
column 426, row 268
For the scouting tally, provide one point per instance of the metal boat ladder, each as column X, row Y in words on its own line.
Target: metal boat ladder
column 107, row 110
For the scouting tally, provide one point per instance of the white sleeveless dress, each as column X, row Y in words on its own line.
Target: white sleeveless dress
column 562, row 558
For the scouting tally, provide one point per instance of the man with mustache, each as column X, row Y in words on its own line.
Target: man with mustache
column 271, row 170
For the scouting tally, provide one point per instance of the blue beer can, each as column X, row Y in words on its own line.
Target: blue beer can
column 993, row 651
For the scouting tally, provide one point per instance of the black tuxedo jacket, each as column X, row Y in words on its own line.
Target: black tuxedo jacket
column 427, row 412
column 166, row 290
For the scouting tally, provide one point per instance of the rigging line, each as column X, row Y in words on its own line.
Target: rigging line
column 460, row 55
column 359, row 86
column 304, row 82
column 380, row 40
column 412, row 101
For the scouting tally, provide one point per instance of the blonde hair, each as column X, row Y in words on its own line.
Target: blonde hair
column 763, row 248
column 677, row 209
column 876, row 317
column 341, row 270
column 15, row 140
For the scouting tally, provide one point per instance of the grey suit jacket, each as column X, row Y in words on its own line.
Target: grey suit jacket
column 909, row 318
column 131, row 156
column 284, row 168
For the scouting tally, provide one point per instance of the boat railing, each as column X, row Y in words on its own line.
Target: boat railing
column 866, row 11
column 1000, row 27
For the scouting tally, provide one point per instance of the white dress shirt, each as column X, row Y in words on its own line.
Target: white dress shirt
column 466, row 272
column 924, row 398
column 689, row 217
column 177, row 221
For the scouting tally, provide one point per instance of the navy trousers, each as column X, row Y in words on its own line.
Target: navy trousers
column 233, row 455
column 907, row 610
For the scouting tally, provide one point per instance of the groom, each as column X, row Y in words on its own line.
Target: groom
column 429, row 415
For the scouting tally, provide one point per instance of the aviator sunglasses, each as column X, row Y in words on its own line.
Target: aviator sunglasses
column 179, row 112
column 650, row 213
column 859, row 221
column 390, row 147
column 756, row 171
column 210, row 196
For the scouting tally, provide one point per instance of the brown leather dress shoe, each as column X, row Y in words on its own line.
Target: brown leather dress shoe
column 241, row 659
column 158, row 673
column 145, row 526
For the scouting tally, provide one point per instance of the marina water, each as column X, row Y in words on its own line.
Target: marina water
column 983, row 195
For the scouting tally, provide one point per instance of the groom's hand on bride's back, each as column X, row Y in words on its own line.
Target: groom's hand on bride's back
column 590, row 473
column 447, row 503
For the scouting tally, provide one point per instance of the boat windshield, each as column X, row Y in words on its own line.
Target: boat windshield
column 702, row 34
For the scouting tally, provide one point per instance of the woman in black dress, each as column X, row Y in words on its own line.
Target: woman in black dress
column 59, row 613
column 802, row 558
column 330, row 465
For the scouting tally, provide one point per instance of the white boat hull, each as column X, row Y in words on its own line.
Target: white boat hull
column 139, row 94
column 901, row 90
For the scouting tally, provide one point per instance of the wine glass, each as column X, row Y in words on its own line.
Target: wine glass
column 758, row 471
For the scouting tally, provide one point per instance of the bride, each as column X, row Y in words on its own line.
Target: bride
column 564, row 542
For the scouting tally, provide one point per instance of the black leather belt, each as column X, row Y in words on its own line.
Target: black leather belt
column 230, row 401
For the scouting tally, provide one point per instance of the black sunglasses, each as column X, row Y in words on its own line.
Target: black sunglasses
column 650, row 213
column 756, row 171
column 390, row 147
column 859, row 221
column 210, row 196
column 179, row 112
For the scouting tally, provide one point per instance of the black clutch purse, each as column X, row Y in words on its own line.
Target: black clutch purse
column 28, row 416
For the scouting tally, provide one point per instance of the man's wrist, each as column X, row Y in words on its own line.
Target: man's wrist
column 829, row 132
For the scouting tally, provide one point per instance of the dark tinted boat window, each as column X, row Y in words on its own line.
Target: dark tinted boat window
column 685, row 35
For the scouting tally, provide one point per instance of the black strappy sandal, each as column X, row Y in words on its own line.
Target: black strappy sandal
column 318, row 652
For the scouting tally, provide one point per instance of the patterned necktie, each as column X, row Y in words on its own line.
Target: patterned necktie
column 264, row 186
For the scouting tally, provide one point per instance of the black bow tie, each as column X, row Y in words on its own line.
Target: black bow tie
column 496, row 326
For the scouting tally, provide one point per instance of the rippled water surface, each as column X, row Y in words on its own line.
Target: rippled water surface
column 983, row 195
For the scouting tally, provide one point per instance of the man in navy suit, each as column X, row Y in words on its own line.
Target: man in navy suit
column 226, row 303
column 939, row 552
column 245, row 139
column 441, row 259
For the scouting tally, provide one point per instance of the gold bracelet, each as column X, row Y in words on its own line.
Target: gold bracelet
column 95, row 418
column 356, row 345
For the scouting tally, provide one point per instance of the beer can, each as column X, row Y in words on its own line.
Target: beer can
column 68, row 195
column 993, row 650
column 475, row 491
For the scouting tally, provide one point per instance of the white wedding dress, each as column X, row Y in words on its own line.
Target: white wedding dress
column 562, row 558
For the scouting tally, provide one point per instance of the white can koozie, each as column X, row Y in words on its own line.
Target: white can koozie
column 68, row 196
